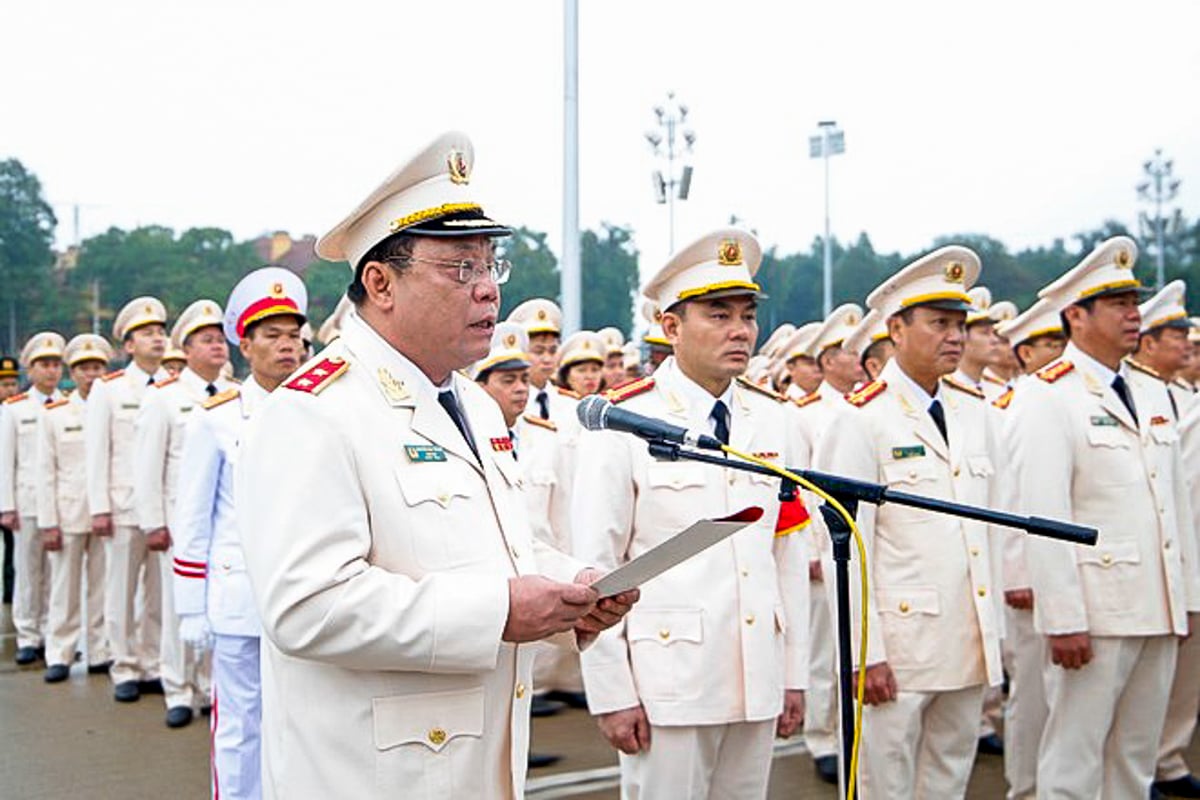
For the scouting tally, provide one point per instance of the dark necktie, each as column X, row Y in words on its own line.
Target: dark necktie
column 543, row 401
column 150, row 381
column 446, row 400
column 720, row 416
column 210, row 389
column 939, row 418
column 48, row 400
column 1122, row 389
column 512, row 437
column 1174, row 405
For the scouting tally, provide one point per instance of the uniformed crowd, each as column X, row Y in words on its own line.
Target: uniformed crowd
column 373, row 581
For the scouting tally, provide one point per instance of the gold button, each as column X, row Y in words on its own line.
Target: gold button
column 443, row 498
column 520, row 690
column 745, row 573
column 1106, row 558
column 912, row 473
column 436, row 736
column 982, row 592
column 904, row 606
column 664, row 634
column 957, row 471
column 749, row 619
column 732, row 480
column 974, row 551
column 1153, row 473
column 1167, row 545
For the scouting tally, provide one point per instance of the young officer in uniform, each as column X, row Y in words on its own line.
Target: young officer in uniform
column 713, row 662
column 159, row 434
column 933, row 642
column 64, row 521
column 134, row 571
column 385, row 534
column 1100, row 451
column 1037, row 339
column 9, row 374
column 871, row 345
column 42, row 359
column 212, row 594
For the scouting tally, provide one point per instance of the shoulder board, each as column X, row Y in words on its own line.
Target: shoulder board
column 166, row 382
column 541, row 423
column 808, row 399
column 962, row 387
column 220, row 398
column 16, row 398
column 58, row 404
column 1055, row 371
column 1180, row 383
column 631, row 389
column 1003, row 400
column 746, row 383
column 112, row 376
column 565, row 392
column 866, row 394
column 1140, row 367
column 314, row 379
column 992, row 379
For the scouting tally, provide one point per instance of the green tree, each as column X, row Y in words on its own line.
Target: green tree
column 326, row 282
column 534, row 270
column 26, row 256
column 609, row 263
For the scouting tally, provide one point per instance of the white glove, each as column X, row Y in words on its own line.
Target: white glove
column 195, row 631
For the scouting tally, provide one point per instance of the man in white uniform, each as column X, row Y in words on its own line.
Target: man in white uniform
column 1098, row 450
column 64, row 521
column 383, row 522
column 212, row 593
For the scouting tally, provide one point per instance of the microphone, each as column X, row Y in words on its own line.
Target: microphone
column 596, row 414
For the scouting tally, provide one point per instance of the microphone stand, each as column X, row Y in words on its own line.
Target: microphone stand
column 850, row 492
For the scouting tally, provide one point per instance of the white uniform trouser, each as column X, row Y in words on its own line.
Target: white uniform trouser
column 1101, row 737
column 185, row 675
column 920, row 745
column 1025, row 714
column 820, row 706
column 66, row 626
column 133, row 638
column 1182, row 708
column 701, row 761
column 237, row 718
column 32, row 591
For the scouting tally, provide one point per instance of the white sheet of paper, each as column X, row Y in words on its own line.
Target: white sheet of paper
column 680, row 547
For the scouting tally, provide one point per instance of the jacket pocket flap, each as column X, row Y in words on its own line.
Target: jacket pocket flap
column 431, row 719
column 666, row 625
column 1107, row 554
column 435, row 482
column 980, row 466
column 675, row 476
column 907, row 601
column 1108, row 436
column 914, row 471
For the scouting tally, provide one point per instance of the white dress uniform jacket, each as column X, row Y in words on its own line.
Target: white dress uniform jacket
column 1086, row 460
column 61, row 475
column 18, row 451
column 718, row 638
column 379, row 550
column 209, row 568
column 931, row 612
column 112, row 410
column 542, row 453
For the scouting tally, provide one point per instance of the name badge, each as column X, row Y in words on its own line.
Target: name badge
column 1105, row 422
column 130, row 405
column 914, row 451
column 1157, row 420
column 72, row 429
column 419, row 453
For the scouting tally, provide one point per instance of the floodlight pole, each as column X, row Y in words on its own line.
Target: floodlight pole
column 1159, row 189
column 828, row 142
column 670, row 116
column 570, row 276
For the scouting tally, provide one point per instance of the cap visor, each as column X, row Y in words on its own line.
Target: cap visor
column 463, row 223
column 947, row 305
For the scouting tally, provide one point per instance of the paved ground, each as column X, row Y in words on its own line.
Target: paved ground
column 72, row 740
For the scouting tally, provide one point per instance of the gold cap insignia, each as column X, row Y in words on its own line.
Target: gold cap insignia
column 852, row 318
column 729, row 253
column 587, row 345
column 1124, row 260
column 212, row 312
column 48, row 343
column 460, row 171
column 541, row 315
column 658, row 315
column 88, row 346
column 147, row 309
column 510, row 340
column 277, row 290
column 955, row 272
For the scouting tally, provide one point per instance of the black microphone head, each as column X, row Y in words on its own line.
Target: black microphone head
column 592, row 411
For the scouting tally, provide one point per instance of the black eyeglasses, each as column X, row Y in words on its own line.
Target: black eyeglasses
column 468, row 272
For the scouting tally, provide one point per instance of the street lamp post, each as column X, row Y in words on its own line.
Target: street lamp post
column 829, row 141
column 1158, row 189
column 671, row 117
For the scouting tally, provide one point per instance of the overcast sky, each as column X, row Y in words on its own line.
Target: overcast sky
column 1027, row 121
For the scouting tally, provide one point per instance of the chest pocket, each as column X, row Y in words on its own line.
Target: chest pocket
column 443, row 499
column 1110, row 460
column 910, row 472
column 980, row 466
column 1163, row 434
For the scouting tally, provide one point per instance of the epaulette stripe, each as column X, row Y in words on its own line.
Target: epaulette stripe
column 754, row 387
column 1055, row 371
column 320, row 375
column 629, row 390
column 962, row 387
column 112, row 375
column 1003, row 400
column 16, row 398
column 58, row 404
column 541, row 423
column 1140, row 367
column 993, row 379
column 808, row 399
column 565, row 392
column 166, row 382
column 866, row 394
column 219, row 398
